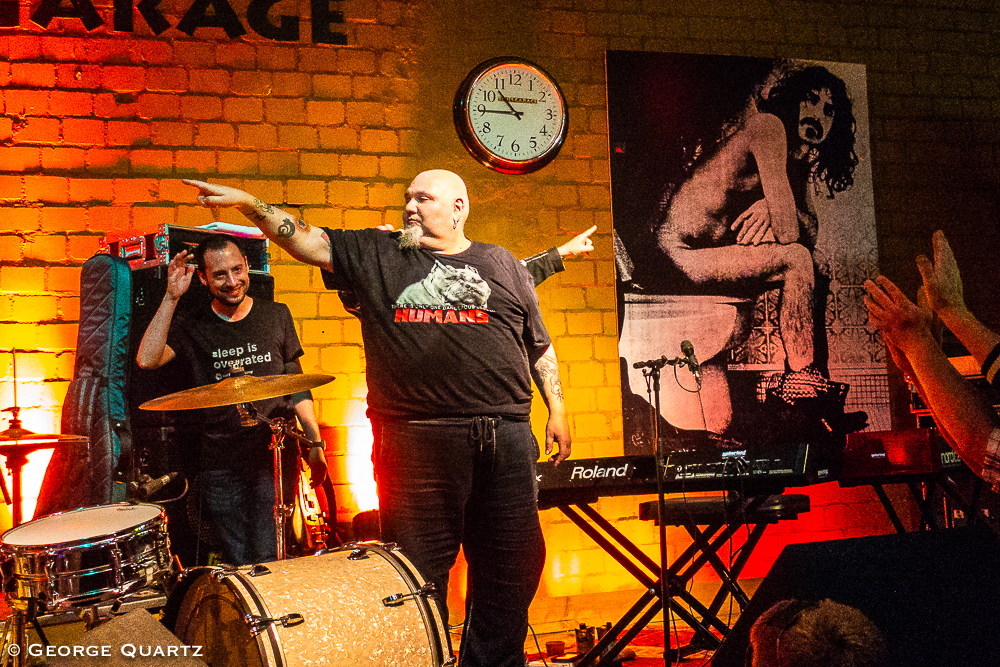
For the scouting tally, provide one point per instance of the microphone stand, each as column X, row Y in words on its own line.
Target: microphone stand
column 652, row 370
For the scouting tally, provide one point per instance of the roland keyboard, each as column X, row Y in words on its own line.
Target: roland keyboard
column 768, row 470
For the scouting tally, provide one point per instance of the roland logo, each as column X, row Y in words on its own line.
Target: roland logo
column 596, row 471
column 878, row 455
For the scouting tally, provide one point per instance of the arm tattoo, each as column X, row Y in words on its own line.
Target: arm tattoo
column 547, row 369
column 302, row 224
column 264, row 208
column 260, row 210
column 286, row 229
column 326, row 237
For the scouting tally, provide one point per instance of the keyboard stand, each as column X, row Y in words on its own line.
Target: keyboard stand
column 720, row 519
column 922, row 487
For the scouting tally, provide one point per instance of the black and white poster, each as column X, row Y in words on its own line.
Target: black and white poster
column 744, row 231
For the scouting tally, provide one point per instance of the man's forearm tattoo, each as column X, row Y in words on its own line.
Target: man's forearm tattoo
column 303, row 225
column 547, row 369
column 286, row 229
column 261, row 210
column 326, row 237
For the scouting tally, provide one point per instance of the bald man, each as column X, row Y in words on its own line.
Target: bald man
column 453, row 337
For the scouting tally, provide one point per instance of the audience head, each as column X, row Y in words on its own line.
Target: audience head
column 794, row 633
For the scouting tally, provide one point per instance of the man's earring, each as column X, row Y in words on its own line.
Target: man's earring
column 454, row 224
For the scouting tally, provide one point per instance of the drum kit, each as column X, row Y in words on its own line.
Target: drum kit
column 359, row 604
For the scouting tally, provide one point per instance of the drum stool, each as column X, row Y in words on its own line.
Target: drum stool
column 712, row 522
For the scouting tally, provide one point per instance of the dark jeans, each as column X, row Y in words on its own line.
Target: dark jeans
column 467, row 482
column 240, row 503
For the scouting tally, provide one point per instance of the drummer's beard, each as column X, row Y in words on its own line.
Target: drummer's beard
column 409, row 237
column 231, row 301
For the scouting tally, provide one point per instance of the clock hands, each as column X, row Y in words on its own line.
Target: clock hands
column 517, row 114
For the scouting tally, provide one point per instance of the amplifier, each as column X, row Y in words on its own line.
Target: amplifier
column 156, row 248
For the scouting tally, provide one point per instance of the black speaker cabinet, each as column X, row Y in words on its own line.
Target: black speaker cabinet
column 934, row 595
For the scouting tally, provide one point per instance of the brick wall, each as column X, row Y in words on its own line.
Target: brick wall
column 98, row 128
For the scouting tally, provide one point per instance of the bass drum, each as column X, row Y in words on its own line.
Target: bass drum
column 364, row 604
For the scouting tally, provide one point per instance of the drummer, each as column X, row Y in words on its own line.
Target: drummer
column 233, row 330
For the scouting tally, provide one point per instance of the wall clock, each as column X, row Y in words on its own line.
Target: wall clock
column 511, row 115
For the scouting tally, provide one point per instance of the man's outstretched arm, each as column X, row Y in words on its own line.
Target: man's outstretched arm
column 961, row 413
column 302, row 241
column 545, row 372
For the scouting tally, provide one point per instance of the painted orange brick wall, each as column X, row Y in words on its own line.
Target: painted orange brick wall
column 98, row 128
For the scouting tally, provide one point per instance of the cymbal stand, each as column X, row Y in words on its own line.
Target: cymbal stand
column 279, row 428
column 15, row 633
column 16, row 456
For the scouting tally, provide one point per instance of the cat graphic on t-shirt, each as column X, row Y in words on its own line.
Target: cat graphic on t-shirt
column 447, row 286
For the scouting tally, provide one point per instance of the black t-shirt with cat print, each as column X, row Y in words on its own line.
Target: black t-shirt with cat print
column 263, row 343
column 445, row 335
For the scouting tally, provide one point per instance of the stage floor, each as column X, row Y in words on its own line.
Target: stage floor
column 647, row 646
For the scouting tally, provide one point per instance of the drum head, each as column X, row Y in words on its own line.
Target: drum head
column 85, row 523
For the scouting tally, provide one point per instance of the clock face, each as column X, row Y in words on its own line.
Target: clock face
column 511, row 115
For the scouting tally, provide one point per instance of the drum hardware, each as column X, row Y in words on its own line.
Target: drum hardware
column 239, row 390
column 259, row 624
column 91, row 617
column 225, row 571
column 358, row 554
column 397, row 599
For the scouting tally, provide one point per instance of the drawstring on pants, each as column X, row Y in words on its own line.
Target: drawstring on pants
column 483, row 433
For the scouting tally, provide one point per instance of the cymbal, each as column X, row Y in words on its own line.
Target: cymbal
column 16, row 434
column 242, row 389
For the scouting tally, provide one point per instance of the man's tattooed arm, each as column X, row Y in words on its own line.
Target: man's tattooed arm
column 303, row 242
column 545, row 371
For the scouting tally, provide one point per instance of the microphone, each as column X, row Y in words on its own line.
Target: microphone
column 655, row 363
column 149, row 486
column 687, row 349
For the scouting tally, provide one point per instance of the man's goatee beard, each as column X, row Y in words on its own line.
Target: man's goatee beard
column 409, row 237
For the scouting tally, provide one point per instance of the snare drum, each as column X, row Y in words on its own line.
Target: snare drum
column 86, row 555
column 360, row 605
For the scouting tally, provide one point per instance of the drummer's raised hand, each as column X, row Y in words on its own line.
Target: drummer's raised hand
column 179, row 274
column 317, row 466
